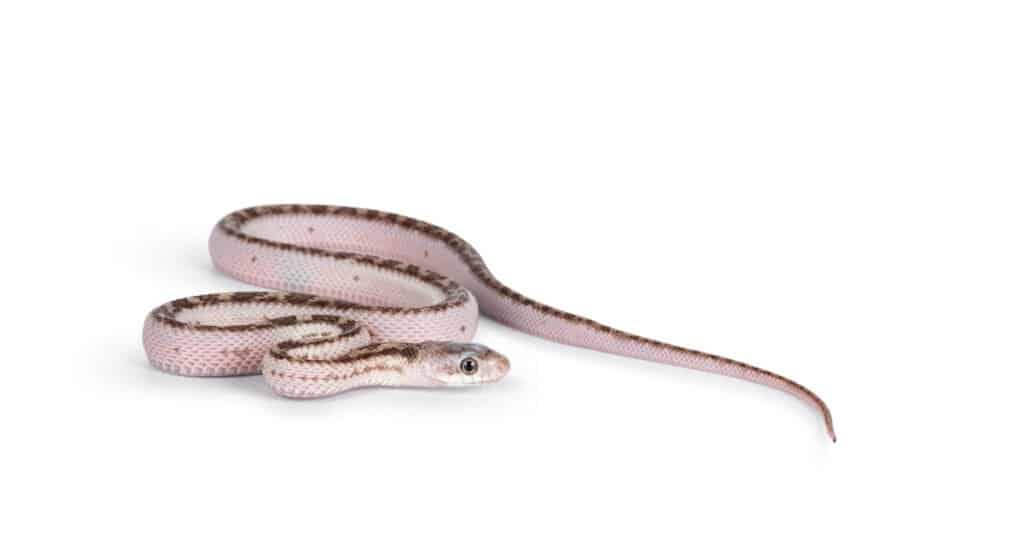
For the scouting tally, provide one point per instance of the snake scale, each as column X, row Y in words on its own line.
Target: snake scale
column 367, row 298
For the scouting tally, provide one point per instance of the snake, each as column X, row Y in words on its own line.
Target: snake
column 362, row 297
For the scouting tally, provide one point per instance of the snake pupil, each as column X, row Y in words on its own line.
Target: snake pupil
column 468, row 366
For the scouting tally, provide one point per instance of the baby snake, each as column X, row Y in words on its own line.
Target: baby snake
column 374, row 298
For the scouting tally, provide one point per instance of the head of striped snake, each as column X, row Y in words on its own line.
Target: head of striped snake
column 458, row 364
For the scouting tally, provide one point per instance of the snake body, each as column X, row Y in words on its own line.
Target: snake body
column 374, row 298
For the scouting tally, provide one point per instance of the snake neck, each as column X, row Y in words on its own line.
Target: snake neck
column 373, row 365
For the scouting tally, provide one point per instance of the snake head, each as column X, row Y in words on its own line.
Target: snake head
column 459, row 364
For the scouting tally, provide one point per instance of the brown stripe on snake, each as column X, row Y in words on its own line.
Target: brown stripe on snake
column 454, row 294
column 334, row 376
column 349, row 329
column 169, row 312
column 380, row 349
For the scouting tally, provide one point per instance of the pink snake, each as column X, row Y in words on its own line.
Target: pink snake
column 373, row 298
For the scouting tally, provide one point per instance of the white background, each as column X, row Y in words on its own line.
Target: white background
column 829, row 190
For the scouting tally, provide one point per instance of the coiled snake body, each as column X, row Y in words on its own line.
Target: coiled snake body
column 373, row 298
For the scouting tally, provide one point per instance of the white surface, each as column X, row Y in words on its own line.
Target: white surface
column 828, row 192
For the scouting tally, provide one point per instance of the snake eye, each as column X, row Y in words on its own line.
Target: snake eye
column 468, row 366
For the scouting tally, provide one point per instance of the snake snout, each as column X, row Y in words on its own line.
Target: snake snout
column 501, row 365
column 492, row 366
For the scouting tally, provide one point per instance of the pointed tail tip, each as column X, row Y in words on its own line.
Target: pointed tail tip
column 829, row 427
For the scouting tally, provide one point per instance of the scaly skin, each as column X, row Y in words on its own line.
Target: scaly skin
column 370, row 299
